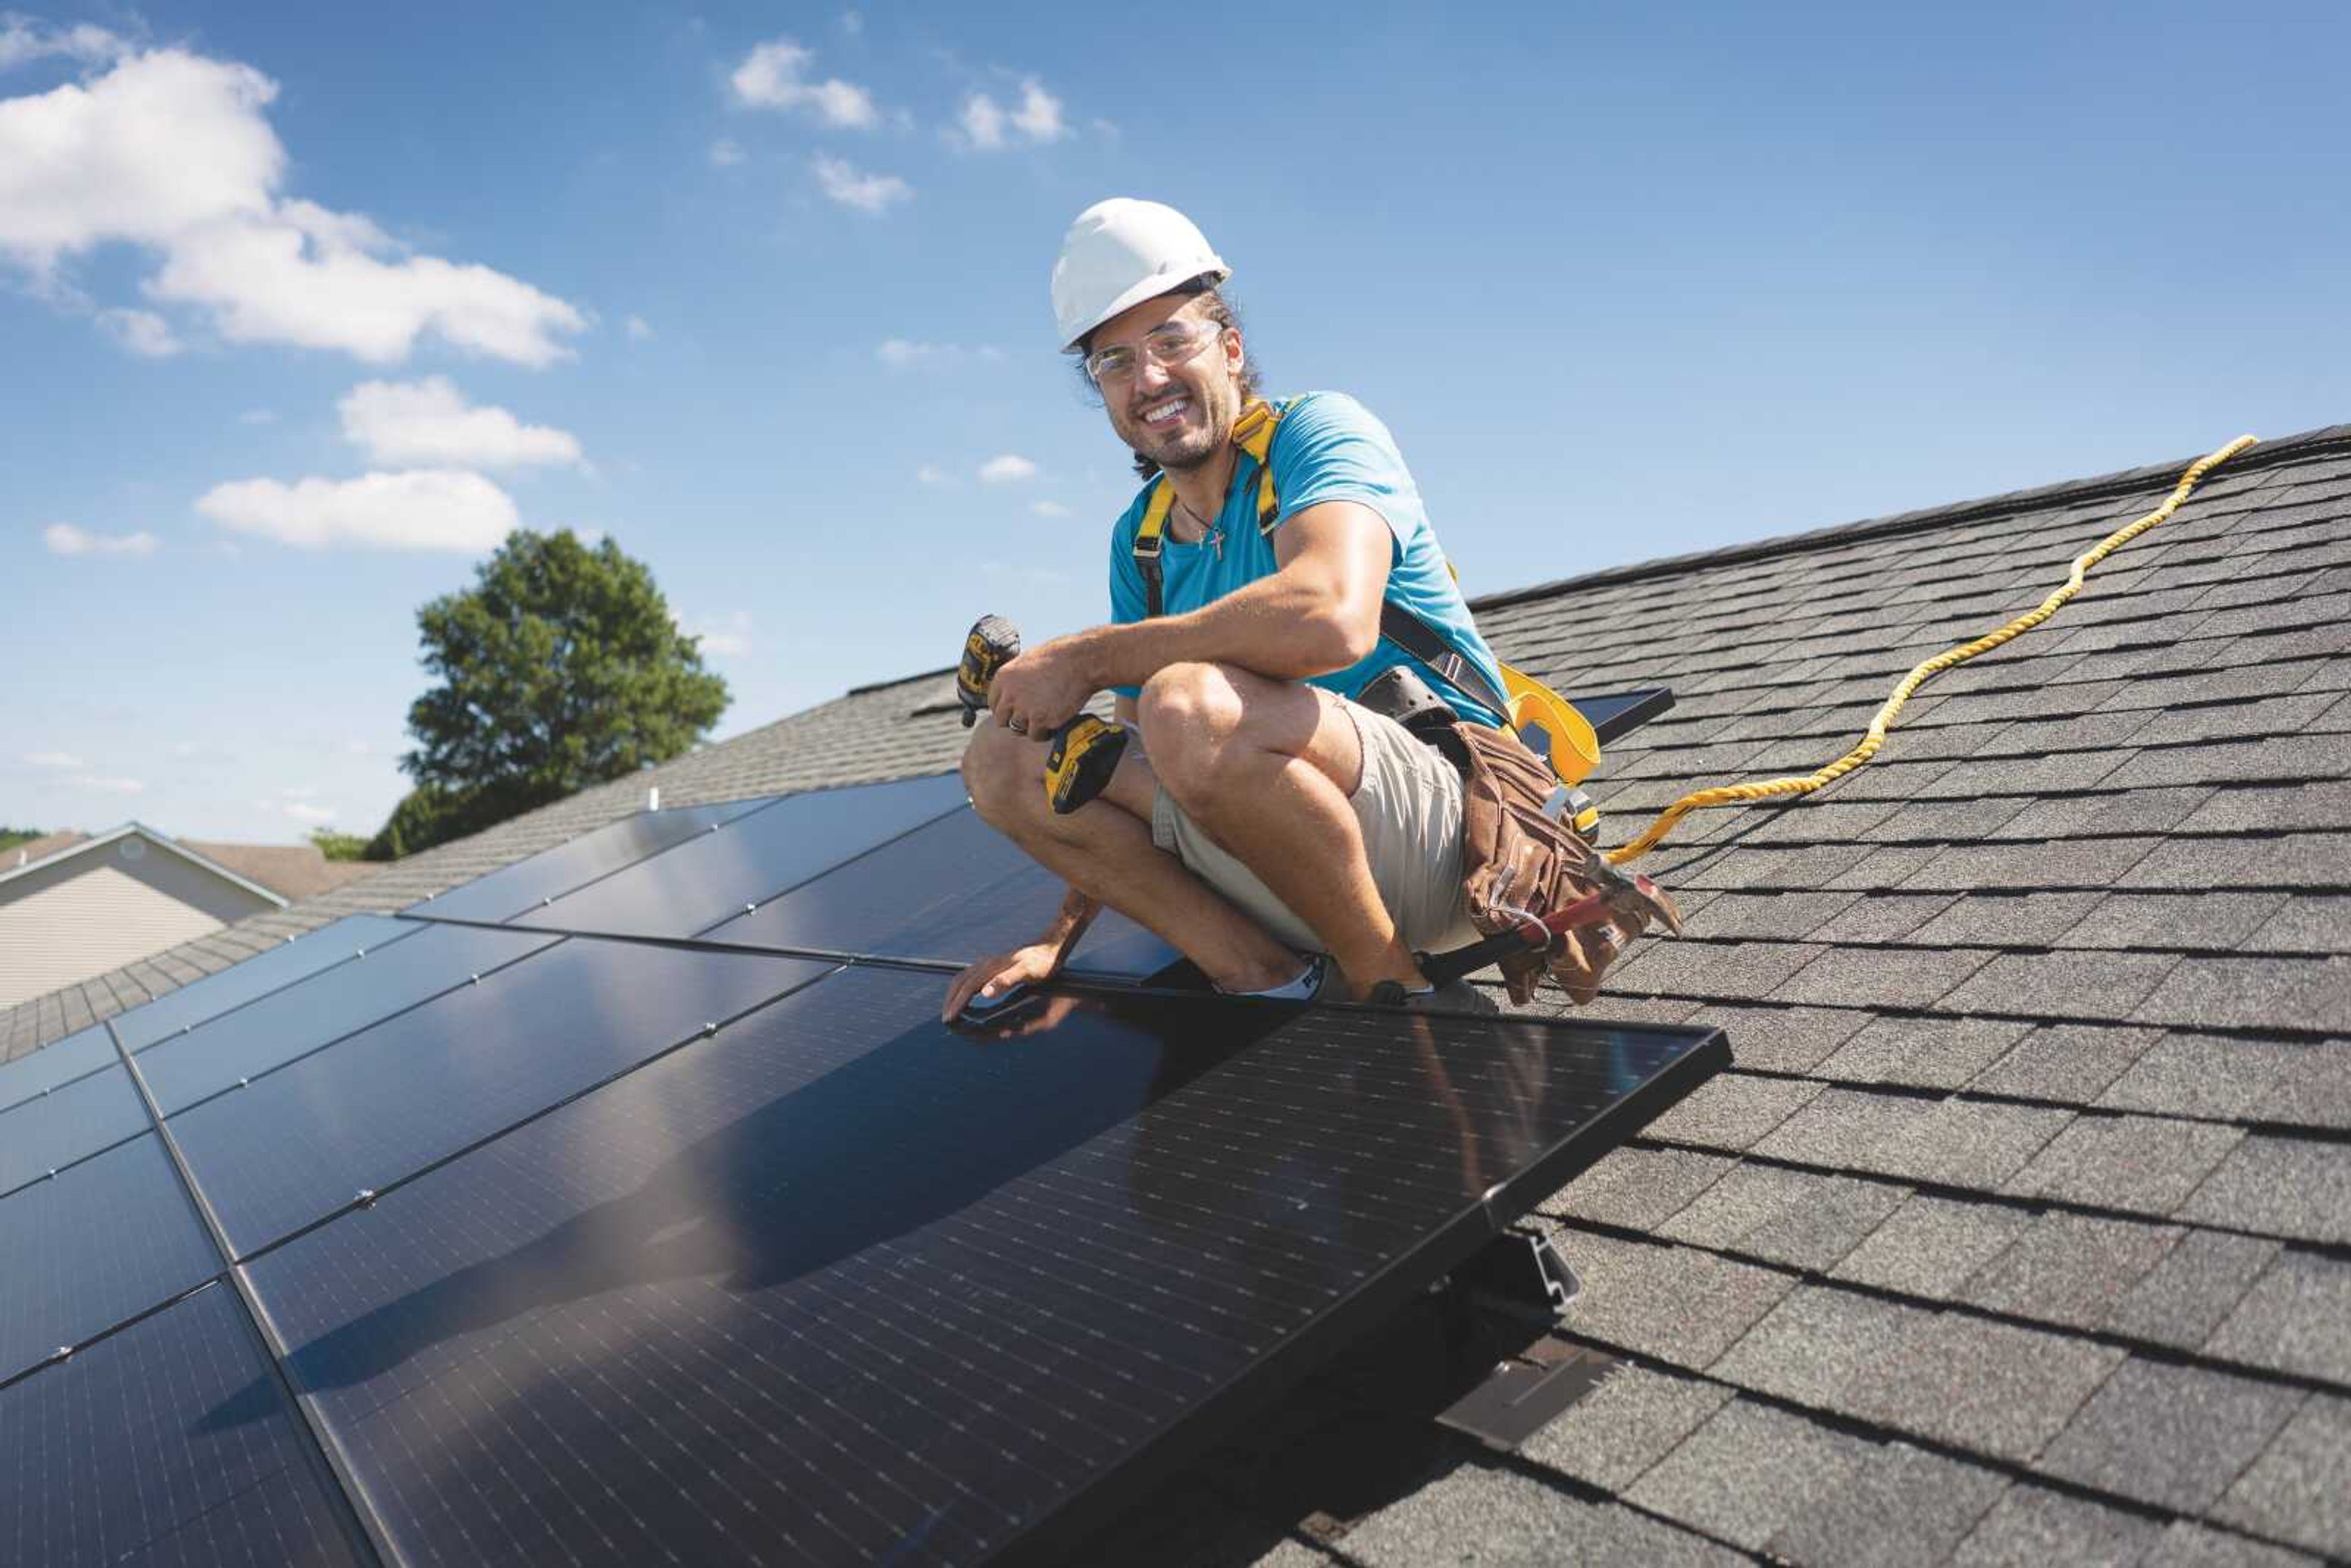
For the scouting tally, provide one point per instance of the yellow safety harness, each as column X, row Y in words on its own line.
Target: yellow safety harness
column 1548, row 722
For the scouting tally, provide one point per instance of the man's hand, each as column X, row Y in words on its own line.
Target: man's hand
column 1033, row 965
column 1043, row 688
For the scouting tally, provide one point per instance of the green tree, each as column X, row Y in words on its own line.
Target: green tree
column 338, row 846
column 560, row 668
column 11, row 837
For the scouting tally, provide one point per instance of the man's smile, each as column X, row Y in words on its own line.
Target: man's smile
column 1165, row 411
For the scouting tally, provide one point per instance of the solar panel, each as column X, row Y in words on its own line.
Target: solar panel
column 52, row 1130
column 76, row 1056
column 954, row 890
column 216, row 1055
column 168, row 1443
column 213, row 995
column 684, row 891
column 838, row 1284
column 106, row 1240
column 1615, row 715
column 556, row 872
column 295, row 1145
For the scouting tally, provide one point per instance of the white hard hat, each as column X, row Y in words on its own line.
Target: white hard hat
column 1121, row 253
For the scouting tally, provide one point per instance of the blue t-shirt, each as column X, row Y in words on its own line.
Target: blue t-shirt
column 1328, row 447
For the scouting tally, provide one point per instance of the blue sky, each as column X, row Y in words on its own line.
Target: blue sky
column 762, row 293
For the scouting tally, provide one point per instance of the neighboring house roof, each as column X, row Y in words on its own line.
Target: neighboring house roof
column 295, row 871
column 32, row 850
column 80, row 847
column 2020, row 1229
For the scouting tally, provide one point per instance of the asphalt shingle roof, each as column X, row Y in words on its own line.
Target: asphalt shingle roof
column 2021, row 1229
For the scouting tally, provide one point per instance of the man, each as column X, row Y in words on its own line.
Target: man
column 1263, row 821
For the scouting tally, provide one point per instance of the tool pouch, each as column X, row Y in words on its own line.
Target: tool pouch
column 1515, row 859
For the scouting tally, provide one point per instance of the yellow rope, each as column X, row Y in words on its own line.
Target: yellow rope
column 1768, row 789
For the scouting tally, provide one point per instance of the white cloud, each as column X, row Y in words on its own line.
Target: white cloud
column 725, row 153
column 23, row 39
column 54, row 760
column 867, row 193
column 851, row 23
column 318, row 816
column 1049, row 508
column 638, row 328
column 931, row 474
column 728, row 637
column 770, row 77
column 424, row 510
column 358, row 747
column 64, row 539
column 430, row 424
column 142, row 332
column 903, row 354
column 106, row 786
column 172, row 152
column 1036, row 118
column 1008, row 468
column 258, row 416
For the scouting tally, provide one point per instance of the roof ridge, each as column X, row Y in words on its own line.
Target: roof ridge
column 2286, row 449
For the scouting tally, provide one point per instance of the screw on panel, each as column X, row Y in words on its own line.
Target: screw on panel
column 364, row 1198
column 245, row 1083
column 62, row 1352
column 475, row 979
column 750, row 909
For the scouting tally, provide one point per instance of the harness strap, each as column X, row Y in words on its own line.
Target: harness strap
column 1424, row 642
column 1253, row 433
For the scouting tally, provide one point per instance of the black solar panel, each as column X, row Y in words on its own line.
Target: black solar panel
column 106, row 1240
column 213, row 995
column 840, row 1285
column 76, row 1056
column 52, row 1130
column 642, row 1249
column 557, row 872
column 214, row 1056
column 167, row 1443
column 1621, row 713
column 685, row 889
column 956, row 890
column 295, row 1145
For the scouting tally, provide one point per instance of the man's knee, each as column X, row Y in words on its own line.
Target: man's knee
column 1002, row 773
column 1189, row 713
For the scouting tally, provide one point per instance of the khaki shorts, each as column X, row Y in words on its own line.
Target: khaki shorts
column 1409, row 803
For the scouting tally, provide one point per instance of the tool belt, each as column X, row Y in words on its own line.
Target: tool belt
column 1517, row 860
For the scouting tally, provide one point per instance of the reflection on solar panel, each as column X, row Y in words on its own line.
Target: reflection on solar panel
column 685, row 891
column 213, row 995
column 295, row 1145
column 169, row 1442
column 44, row 1072
column 643, row 1249
column 845, row 1277
column 544, row 877
column 123, row 1221
column 954, row 890
column 219, row 1054
column 52, row 1130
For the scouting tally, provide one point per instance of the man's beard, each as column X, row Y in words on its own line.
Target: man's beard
column 1185, row 452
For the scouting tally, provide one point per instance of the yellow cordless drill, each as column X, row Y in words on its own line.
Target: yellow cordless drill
column 1082, row 755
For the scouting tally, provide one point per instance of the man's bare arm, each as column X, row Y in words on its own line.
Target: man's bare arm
column 1320, row 613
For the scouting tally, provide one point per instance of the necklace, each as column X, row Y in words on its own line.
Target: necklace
column 1211, row 534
